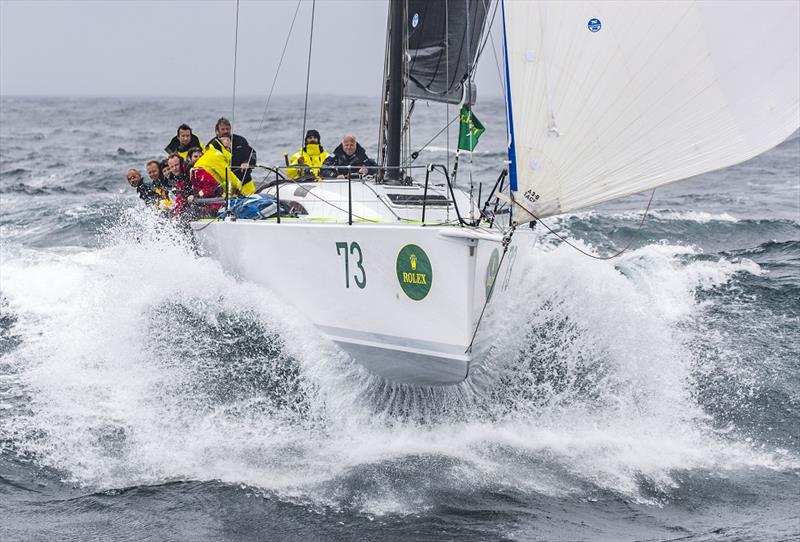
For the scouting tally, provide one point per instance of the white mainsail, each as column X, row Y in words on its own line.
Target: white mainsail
column 608, row 99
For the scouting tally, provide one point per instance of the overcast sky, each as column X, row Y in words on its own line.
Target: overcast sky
column 175, row 48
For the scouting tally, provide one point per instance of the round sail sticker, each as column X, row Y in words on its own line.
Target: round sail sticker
column 415, row 20
column 595, row 25
column 491, row 271
column 414, row 272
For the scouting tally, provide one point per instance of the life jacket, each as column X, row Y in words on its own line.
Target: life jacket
column 162, row 197
column 217, row 163
column 313, row 157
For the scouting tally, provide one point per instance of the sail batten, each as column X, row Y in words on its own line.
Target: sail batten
column 615, row 98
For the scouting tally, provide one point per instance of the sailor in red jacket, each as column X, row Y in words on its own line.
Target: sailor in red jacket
column 196, row 184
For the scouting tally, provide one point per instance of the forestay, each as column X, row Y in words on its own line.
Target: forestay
column 607, row 99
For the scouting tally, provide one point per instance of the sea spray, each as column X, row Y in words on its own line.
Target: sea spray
column 146, row 363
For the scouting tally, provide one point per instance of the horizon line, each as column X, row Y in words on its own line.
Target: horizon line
column 205, row 96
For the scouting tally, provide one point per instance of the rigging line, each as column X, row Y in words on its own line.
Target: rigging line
column 408, row 66
column 487, row 36
column 235, row 53
column 594, row 256
column 415, row 154
column 308, row 70
column 463, row 95
column 500, row 75
column 278, row 69
column 406, row 158
column 382, row 128
column 323, row 200
column 215, row 219
column 447, row 74
column 506, row 243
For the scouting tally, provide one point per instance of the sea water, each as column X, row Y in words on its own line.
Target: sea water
column 147, row 394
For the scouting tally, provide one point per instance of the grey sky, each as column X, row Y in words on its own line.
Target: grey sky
column 175, row 48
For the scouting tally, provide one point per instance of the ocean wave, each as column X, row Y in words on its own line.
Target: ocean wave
column 789, row 248
column 658, row 378
column 15, row 172
column 279, row 409
column 700, row 217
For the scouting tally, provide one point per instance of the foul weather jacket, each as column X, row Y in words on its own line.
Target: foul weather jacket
column 243, row 153
column 175, row 146
column 200, row 184
column 313, row 157
column 217, row 163
column 147, row 193
column 342, row 164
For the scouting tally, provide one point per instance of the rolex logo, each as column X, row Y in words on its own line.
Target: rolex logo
column 414, row 272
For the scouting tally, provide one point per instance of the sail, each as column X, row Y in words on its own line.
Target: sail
column 443, row 37
column 606, row 99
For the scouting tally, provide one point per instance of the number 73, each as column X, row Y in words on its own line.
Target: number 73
column 342, row 250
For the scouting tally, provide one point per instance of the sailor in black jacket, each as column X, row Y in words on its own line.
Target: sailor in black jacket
column 243, row 156
column 348, row 158
column 145, row 191
column 182, row 142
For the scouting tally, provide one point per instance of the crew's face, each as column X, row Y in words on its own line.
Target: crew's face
column 184, row 137
column 165, row 171
column 195, row 156
column 174, row 166
column 349, row 145
column 226, row 142
column 224, row 130
column 152, row 171
column 312, row 139
column 134, row 178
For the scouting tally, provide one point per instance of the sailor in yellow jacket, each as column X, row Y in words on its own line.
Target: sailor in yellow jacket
column 309, row 159
column 216, row 161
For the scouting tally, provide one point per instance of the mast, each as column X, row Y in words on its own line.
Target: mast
column 395, row 116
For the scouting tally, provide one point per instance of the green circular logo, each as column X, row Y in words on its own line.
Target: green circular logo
column 491, row 271
column 414, row 272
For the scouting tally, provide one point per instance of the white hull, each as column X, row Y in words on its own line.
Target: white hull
column 367, row 311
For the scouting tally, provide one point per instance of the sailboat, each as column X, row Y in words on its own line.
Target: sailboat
column 603, row 100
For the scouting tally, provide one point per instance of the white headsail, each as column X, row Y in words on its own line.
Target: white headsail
column 607, row 99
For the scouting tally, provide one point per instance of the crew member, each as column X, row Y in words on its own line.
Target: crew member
column 215, row 165
column 165, row 176
column 192, row 156
column 144, row 191
column 309, row 159
column 196, row 184
column 159, row 183
column 348, row 158
column 243, row 156
column 182, row 142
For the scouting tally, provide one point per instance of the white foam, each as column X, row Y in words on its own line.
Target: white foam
column 701, row 217
column 112, row 409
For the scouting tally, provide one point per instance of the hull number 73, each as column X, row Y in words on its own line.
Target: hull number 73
column 353, row 250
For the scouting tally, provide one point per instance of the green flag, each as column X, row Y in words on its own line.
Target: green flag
column 471, row 130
